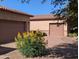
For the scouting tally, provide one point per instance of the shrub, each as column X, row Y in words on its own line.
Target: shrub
column 31, row 44
column 72, row 34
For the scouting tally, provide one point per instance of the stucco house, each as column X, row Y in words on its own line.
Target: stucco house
column 51, row 24
column 12, row 22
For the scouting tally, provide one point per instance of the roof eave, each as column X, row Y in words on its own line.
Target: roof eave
column 46, row 19
column 16, row 12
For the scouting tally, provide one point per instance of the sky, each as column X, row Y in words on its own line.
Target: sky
column 34, row 7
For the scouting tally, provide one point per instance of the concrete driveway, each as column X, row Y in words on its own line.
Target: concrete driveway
column 56, row 41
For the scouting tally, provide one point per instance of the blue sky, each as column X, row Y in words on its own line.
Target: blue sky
column 34, row 7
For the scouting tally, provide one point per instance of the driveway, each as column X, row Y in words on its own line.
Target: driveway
column 56, row 41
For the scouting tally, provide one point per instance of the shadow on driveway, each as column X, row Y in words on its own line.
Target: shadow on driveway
column 65, row 50
column 4, row 50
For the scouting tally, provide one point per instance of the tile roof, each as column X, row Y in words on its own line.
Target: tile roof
column 45, row 17
column 14, row 11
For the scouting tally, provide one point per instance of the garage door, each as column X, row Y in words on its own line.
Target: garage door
column 9, row 29
column 56, row 30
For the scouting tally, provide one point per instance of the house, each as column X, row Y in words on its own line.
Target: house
column 12, row 22
column 54, row 26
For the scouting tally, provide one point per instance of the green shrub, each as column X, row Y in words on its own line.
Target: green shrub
column 31, row 44
column 72, row 34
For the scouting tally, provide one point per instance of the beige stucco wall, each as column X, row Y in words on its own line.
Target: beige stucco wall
column 65, row 29
column 4, row 15
column 42, row 25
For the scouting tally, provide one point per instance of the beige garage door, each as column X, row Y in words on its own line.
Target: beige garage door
column 56, row 30
column 9, row 29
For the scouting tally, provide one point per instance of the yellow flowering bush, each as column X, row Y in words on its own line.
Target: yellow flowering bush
column 31, row 43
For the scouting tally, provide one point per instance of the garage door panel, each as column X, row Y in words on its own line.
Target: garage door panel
column 56, row 30
column 9, row 29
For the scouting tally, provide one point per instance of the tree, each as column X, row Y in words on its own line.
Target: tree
column 73, row 14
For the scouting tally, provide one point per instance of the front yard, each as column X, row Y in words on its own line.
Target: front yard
column 66, row 49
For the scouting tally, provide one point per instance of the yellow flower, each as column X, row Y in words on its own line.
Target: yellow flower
column 31, row 33
column 27, row 33
column 19, row 35
column 24, row 35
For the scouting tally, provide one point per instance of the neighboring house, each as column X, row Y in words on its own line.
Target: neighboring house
column 54, row 26
column 12, row 22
